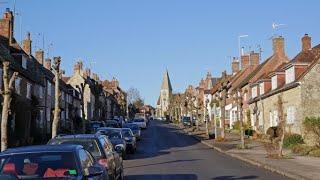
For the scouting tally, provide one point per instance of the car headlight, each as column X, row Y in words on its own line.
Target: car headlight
column 119, row 146
column 126, row 138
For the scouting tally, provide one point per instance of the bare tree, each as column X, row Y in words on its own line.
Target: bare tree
column 6, row 93
column 57, row 110
column 133, row 95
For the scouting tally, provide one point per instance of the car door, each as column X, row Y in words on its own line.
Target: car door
column 108, row 152
column 117, row 158
column 86, row 161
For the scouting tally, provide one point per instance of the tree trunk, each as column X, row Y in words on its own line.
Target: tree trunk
column 282, row 125
column 223, row 114
column 56, row 114
column 4, row 122
column 7, row 86
column 83, row 114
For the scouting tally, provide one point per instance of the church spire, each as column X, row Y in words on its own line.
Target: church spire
column 166, row 83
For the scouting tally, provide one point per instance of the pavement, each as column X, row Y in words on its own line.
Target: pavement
column 295, row 167
column 167, row 153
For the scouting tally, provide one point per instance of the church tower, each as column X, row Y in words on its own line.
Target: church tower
column 165, row 95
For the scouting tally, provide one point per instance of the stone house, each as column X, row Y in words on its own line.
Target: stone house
column 81, row 76
column 297, row 83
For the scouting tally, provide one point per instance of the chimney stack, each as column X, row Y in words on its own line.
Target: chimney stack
column 254, row 58
column 87, row 73
column 27, row 44
column 235, row 65
column 306, row 42
column 245, row 61
column 47, row 64
column 278, row 46
column 6, row 26
column 39, row 55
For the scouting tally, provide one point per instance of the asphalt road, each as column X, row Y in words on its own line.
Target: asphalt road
column 166, row 153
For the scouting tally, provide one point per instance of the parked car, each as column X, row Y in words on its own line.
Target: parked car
column 186, row 121
column 130, row 140
column 140, row 122
column 112, row 123
column 135, row 129
column 51, row 162
column 116, row 138
column 92, row 126
column 101, row 149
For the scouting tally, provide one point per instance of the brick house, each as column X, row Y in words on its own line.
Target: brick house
column 249, row 84
column 297, row 83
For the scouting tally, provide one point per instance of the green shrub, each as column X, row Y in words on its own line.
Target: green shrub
column 302, row 149
column 315, row 152
column 312, row 124
column 291, row 140
column 236, row 125
column 249, row 132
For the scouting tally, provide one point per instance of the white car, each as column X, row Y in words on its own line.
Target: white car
column 141, row 123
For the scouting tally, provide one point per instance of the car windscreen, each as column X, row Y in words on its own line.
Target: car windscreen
column 127, row 133
column 44, row 165
column 111, row 134
column 90, row 145
column 132, row 126
column 186, row 119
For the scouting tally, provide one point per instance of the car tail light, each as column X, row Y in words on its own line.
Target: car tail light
column 103, row 162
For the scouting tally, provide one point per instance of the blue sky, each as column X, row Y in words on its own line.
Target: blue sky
column 136, row 40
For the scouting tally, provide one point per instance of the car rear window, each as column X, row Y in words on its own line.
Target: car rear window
column 44, row 165
column 90, row 145
column 138, row 120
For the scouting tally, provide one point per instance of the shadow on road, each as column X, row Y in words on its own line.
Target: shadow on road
column 162, row 177
column 234, row 177
column 167, row 162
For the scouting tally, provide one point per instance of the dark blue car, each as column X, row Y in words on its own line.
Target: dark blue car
column 116, row 138
column 50, row 162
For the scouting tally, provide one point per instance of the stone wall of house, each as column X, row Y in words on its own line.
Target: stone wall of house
column 268, row 108
column 310, row 87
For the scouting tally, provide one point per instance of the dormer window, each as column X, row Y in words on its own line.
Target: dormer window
column 254, row 91
column 274, row 82
column 290, row 76
column 261, row 86
column 24, row 62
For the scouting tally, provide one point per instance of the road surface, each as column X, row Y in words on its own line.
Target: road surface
column 166, row 153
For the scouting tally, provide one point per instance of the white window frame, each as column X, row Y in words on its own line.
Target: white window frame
column 290, row 75
column 24, row 62
column 49, row 89
column 254, row 92
column 274, row 82
column 40, row 92
column 261, row 86
column 29, row 88
column 291, row 114
column 17, row 85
